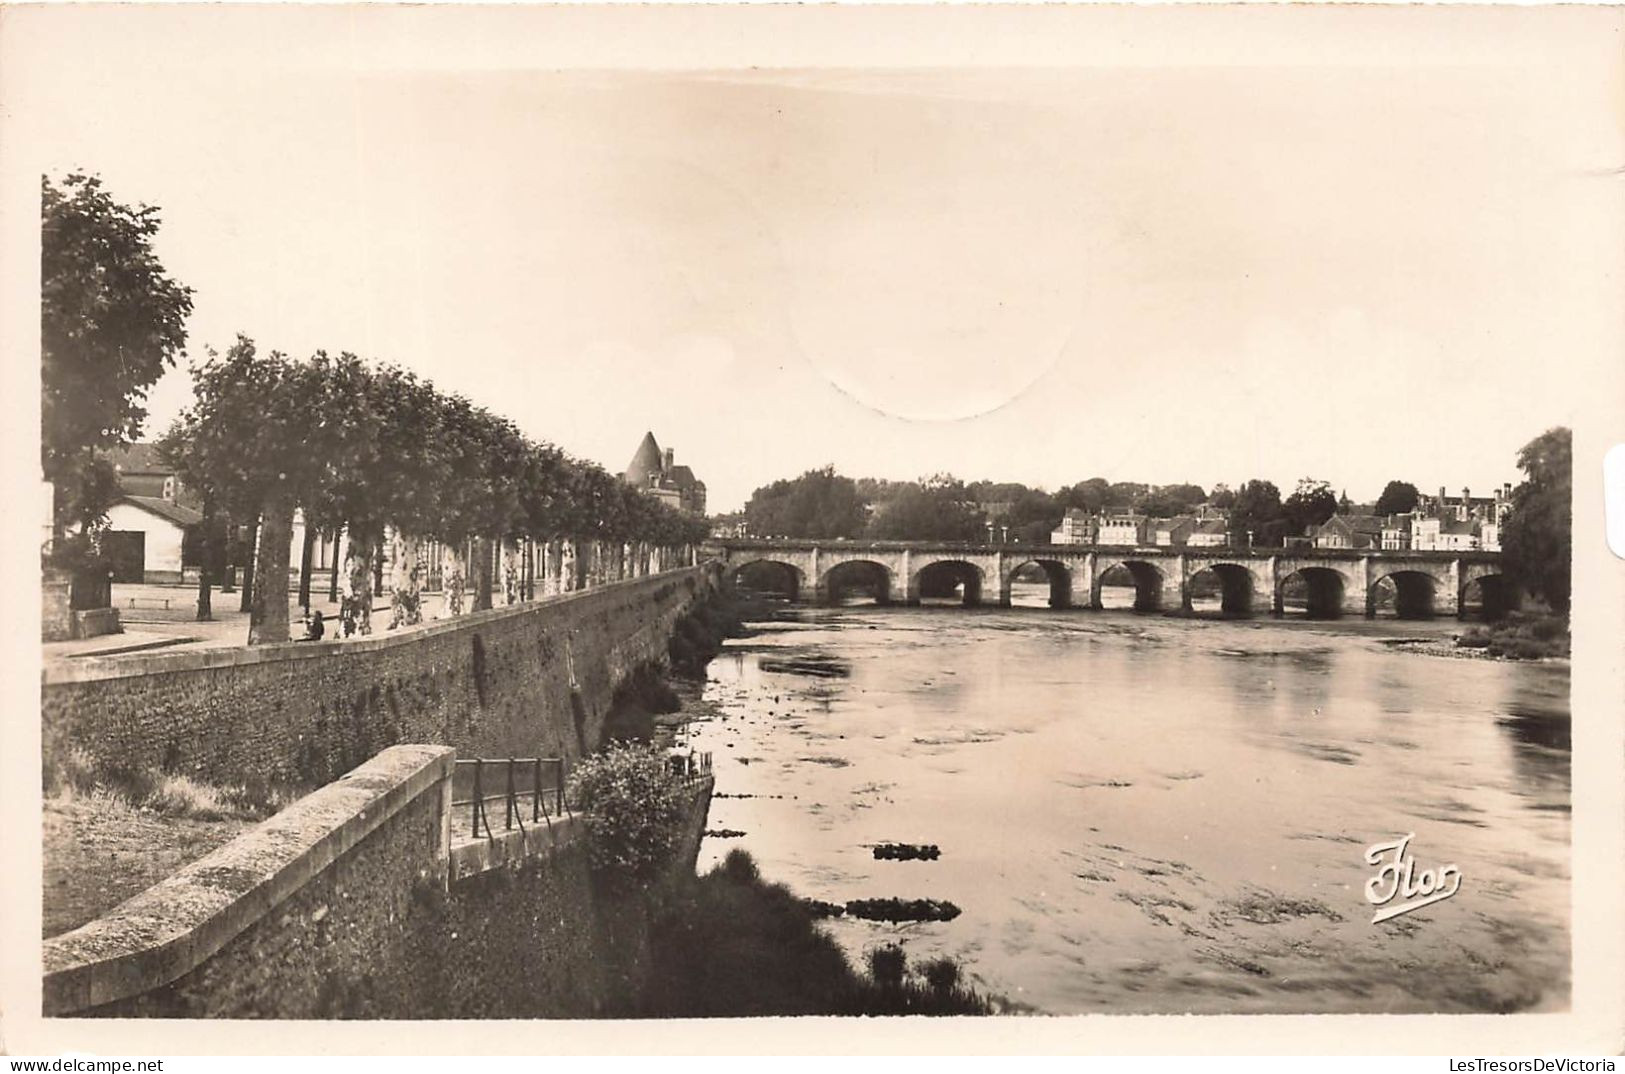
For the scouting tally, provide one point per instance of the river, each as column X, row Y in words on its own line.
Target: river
column 1147, row 814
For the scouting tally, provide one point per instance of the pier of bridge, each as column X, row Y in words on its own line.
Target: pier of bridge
column 1335, row 582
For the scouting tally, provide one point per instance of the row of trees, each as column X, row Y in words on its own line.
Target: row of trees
column 824, row 504
column 353, row 448
column 369, row 450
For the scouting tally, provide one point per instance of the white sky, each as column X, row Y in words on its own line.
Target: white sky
column 1358, row 244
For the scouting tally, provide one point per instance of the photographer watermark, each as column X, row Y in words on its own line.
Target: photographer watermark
column 1397, row 878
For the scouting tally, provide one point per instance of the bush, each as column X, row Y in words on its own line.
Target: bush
column 887, row 965
column 728, row 944
column 633, row 804
column 941, row 974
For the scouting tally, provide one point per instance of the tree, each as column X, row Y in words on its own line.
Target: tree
column 1222, row 496
column 252, row 441
column 1087, row 495
column 1126, row 493
column 111, row 322
column 1537, row 536
column 1167, row 501
column 1256, row 510
column 818, row 504
column 1398, row 498
column 1311, row 504
column 1033, row 515
column 933, row 509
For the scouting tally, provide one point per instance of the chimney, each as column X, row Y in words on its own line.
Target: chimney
column 669, row 458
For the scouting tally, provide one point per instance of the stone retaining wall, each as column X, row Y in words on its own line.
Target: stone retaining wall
column 352, row 903
column 534, row 679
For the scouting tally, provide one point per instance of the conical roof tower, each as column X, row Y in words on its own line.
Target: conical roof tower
column 646, row 464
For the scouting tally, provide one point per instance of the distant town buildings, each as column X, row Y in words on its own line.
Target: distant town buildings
column 1441, row 523
column 1077, row 527
column 1122, row 527
column 657, row 474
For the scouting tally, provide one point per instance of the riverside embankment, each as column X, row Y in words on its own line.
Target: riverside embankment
column 362, row 899
column 530, row 679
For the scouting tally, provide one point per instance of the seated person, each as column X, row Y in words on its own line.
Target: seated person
column 314, row 627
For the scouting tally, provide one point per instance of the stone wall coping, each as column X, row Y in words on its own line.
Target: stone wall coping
column 472, row 857
column 129, row 665
column 168, row 930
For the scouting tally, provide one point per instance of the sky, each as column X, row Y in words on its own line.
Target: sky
column 1353, row 245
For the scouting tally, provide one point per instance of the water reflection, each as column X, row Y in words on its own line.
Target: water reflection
column 1148, row 814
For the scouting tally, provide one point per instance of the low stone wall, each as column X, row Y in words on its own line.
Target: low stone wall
column 533, row 679
column 56, row 615
column 352, row 902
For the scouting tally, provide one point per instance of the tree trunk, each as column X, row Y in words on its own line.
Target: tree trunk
column 333, row 568
column 205, row 574
column 407, row 597
column 512, row 572
column 451, row 577
column 569, row 566
column 482, row 574
column 250, row 552
column 358, row 568
column 268, row 618
column 305, row 554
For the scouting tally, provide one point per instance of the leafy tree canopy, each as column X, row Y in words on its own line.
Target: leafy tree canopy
column 112, row 321
column 1398, row 498
column 1311, row 504
column 1256, row 509
column 820, row 504
column 1536, row 539
column 935, row 509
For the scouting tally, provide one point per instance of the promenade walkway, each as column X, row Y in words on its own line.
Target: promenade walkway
column 164, row 617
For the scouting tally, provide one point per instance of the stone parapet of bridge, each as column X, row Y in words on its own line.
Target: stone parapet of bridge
column 1250, row 581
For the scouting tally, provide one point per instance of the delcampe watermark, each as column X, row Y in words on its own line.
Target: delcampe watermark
column 1397, row 878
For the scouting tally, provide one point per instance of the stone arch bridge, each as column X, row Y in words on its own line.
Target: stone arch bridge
column 1335, row 582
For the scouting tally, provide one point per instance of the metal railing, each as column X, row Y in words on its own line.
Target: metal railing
column 522, row 785
column 690, row 767
column 530, row 790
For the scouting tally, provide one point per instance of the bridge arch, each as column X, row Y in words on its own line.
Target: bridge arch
column 1322, row 588
column 769, row 575
column 1487, row 596
column 1234, row 585
column 945, row 578
column 853, row 575
column 1146, row 577
column 1055, row 573
column 1406, row 594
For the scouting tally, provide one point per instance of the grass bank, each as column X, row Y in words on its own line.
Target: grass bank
column 111, row 835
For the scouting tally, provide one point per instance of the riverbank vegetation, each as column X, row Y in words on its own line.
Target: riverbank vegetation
column 633, row 808
column 729, row 944
column 1520, row 636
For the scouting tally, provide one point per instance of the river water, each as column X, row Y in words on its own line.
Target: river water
column 1148, row 814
